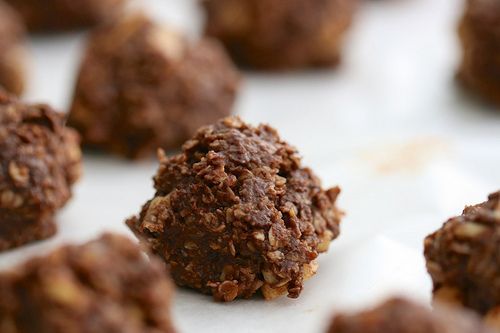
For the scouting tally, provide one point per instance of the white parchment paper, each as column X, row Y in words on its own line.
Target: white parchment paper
column 389, row 126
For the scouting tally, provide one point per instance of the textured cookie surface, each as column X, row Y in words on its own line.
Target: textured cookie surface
column 236, row 213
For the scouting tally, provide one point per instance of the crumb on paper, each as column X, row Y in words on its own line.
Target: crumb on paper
column 408, row 157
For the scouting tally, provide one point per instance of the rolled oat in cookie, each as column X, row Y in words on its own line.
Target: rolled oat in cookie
column 236, row 213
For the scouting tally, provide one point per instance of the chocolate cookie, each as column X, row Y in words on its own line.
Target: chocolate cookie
column 61, row 15
column 480, row 36
column 143, row 87
column 280, row 34
column 12, row 51
column 463, row 258
column 401, row 316
column 236, row 213
column 104, row 286
column 39, row 161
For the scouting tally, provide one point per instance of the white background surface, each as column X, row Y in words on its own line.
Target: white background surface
column 389, row 126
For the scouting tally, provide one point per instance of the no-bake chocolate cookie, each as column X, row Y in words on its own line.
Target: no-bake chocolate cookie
column 236, row 213
column 61, row 15
column 480, row 36
column 280, row 34
column 144, row 87
column 401, row 316
column 104, row 286
column 39, row 161
column 12, row 51
column 463, row 258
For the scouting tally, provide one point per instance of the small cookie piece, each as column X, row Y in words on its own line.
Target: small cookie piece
column 39, row 161
column 144, row 87
column 63, row 15
column 480, row 36
column 106, row 285
column 398, row 315
column 236, row 212
column 280, row 34
column 12, row 51
column 463, row 258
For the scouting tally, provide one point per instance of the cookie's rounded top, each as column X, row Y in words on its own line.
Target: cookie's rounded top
column 236, row 212
column 39, row 159
column 259, row 171
column 132, row 30
column 399, row 315
column 487, row 212
column 462, row 255
column 238, row 149
column 106, row 285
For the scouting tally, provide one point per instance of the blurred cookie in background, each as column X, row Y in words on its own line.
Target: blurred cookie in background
column 61, row 15
column 479, row 33
column 463, row 259
column 143, row 86
column 399, row 315
column 106, row 285
column 40, row 160
column 13, row 55
column 280, row 34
